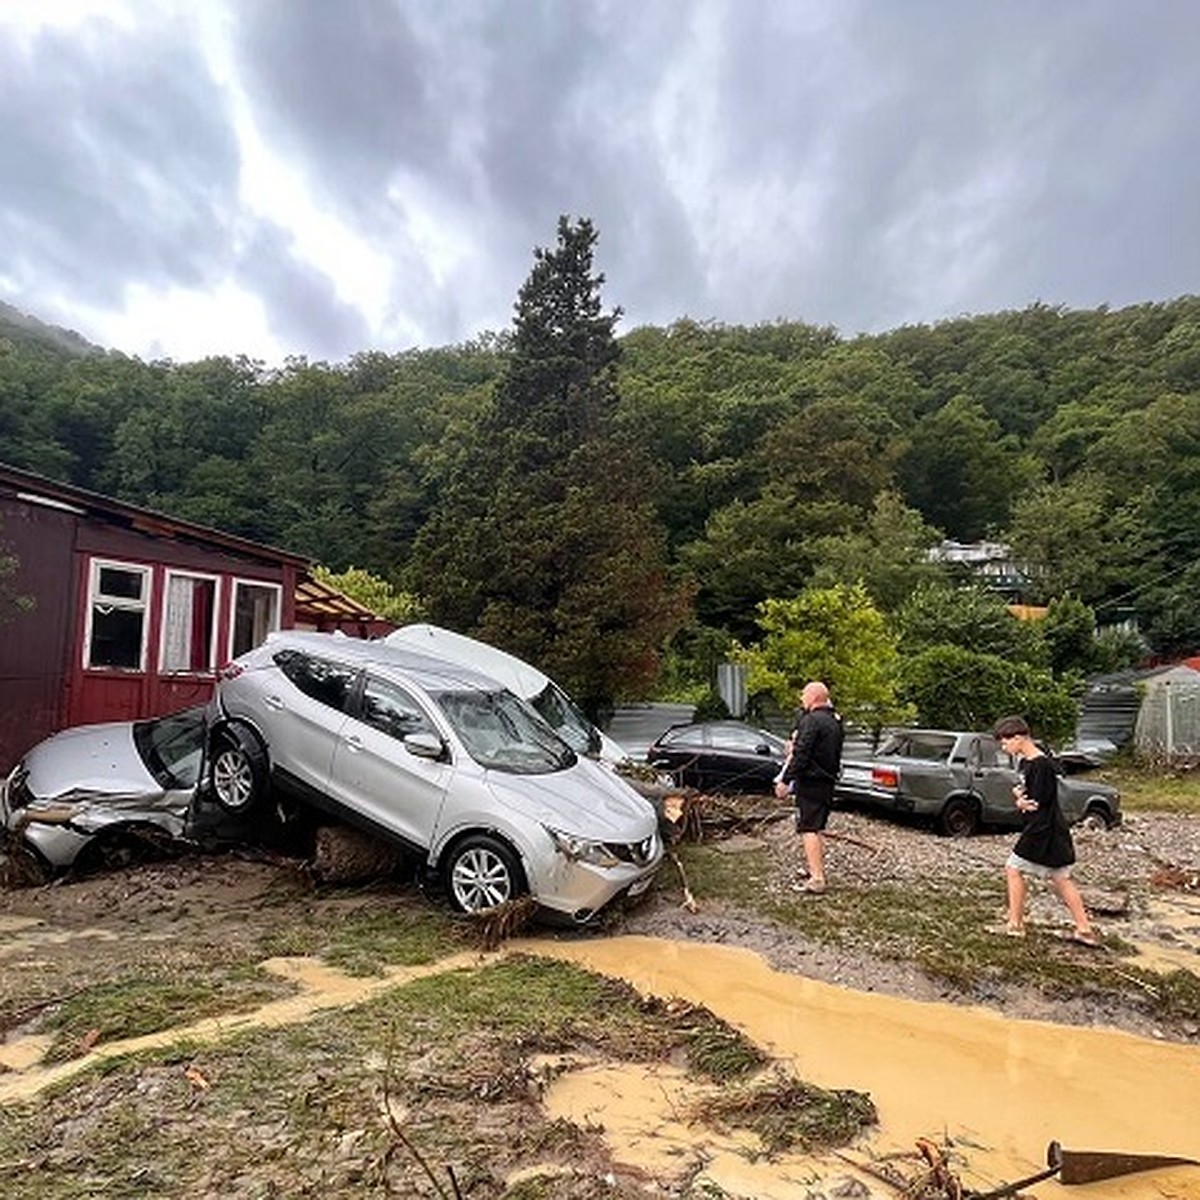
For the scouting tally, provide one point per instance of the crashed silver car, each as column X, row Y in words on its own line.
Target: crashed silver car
column 437, row 760
column 100, row 795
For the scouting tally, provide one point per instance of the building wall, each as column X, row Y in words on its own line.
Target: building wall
column 34, row 645
column 46, row 682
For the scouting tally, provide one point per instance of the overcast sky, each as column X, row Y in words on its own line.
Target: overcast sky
column 321, row 177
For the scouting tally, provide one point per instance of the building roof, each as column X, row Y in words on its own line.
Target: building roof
column 38, row 489
column 316, row 600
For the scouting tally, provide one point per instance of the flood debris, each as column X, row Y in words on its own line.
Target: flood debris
column 787, row 1113
column 342, row 854
column 1168, row 877
column 491, row 927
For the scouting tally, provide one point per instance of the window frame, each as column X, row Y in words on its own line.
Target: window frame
column 95, row 598
column 236, row 584
column 210, row 666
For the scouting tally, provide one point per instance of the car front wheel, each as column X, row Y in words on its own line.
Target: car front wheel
column 238, row 778
column 482, row 872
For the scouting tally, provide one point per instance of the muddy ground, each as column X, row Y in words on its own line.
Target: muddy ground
column 201, row 908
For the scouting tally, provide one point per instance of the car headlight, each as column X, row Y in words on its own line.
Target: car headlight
column 584, row 850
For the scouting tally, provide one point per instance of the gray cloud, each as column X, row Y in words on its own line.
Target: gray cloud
column 859, row 163
column 115, row 163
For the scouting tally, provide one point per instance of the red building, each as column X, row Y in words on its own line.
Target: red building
column 122, row 612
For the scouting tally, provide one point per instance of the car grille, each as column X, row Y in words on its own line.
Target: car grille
column 637, row 853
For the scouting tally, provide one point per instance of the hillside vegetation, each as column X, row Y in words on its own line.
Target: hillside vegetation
column 594, row 497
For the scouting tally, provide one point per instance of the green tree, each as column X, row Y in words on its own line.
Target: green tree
column 954, row 688
column 1069, row 632
column 1073, row 537
column 544, row 539
column 969, row 617
column 372, row 591
column 962, row 472
column 889, row 555
column 833, row 634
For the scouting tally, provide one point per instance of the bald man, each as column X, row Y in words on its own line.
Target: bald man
column 810, row 774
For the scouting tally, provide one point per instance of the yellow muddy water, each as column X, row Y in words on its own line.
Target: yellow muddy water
column 998, row 1089
column 995, row 1089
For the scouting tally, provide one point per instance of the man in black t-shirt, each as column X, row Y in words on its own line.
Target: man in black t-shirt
column 809, row 775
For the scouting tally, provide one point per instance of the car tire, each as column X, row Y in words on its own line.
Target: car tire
column 239, row 776
column 959, row 818
column 1096, row 817
column 483, row 872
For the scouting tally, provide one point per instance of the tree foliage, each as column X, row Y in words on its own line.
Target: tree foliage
column 951, row 687
column 375, row 593
column 733, row 463
column 833, row 634
column 545, row 540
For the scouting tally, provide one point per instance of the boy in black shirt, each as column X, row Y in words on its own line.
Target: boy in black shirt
column 1044, row 848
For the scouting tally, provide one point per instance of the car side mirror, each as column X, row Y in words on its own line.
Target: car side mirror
column 425, row 745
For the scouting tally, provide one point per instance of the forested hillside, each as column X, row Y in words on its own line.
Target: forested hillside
column 741, row 463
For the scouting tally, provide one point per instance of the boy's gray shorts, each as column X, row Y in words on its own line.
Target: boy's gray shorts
column 1031, row 868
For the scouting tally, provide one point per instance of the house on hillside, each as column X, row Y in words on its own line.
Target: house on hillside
column 132, row 611
column 990, row 564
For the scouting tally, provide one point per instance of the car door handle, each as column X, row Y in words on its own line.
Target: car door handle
column 353, row 741
column 275, row 702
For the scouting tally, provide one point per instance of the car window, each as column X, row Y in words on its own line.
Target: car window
column 987, row 752
column 926, row 747
column 565, row 719
column 318, row 678
column 742, row 740
column 171, row 747
column 501, row 731
column 386, row 706
column 687, row 735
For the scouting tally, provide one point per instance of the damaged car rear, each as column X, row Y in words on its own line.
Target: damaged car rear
column 103, row 795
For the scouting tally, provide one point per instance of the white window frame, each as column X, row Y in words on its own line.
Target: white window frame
column 97, row 598
column 165, row 637
column 262, row 585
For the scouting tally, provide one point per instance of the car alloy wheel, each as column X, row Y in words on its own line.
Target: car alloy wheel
column 235, row 779
column 483, row 873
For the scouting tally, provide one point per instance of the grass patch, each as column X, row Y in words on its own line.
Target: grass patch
column 1147, row 789
column 367, row 940
column 143, row 1003
column 296, row 1111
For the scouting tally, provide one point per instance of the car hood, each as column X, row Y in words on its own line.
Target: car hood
column 89, row 762
column 587, row 800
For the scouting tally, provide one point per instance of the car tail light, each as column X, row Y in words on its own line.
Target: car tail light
column 887, row 777
column 230, row 670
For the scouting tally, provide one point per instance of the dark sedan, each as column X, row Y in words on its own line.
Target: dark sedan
column 719, row 756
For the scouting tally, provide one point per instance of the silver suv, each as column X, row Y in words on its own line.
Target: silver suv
column 438, row 760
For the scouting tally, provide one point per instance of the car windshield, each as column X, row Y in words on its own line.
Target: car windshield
column 504, row 733
column 171, row 747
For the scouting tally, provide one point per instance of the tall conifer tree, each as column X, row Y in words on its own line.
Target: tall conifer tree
column 545, row 541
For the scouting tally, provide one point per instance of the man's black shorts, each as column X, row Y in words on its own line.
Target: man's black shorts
column 813, row 801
